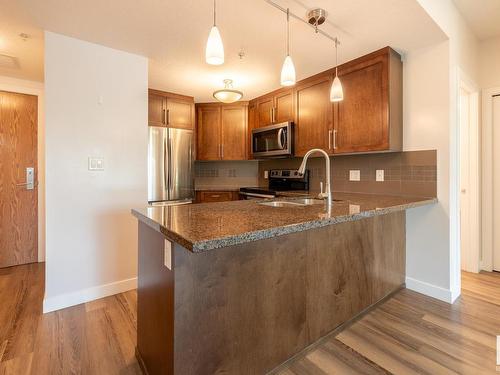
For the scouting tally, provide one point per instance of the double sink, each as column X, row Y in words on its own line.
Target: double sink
column 294, row 202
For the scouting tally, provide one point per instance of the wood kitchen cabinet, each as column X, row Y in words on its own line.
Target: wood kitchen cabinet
column 170, row 110
column 222, row 131
column 207, row 196
column 252, row 124
column 314, row 115
column 369, row 118
column 275, row 107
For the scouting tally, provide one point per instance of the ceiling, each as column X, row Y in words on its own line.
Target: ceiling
column 172, row 34
column 482, row 16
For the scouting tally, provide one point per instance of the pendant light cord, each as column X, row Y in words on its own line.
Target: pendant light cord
column 336, row 58
column 215, row 11
column 288, row 32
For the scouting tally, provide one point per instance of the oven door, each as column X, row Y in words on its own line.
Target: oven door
column 273, row 140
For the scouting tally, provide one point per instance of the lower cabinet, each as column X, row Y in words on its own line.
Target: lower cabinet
column 206, row 196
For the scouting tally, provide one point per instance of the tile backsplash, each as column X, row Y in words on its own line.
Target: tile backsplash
column 408, row 173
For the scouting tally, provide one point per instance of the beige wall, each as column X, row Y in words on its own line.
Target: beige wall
column 96, row 106
column 489, row 60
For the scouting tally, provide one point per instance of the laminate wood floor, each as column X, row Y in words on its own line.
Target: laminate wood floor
column 408, row 334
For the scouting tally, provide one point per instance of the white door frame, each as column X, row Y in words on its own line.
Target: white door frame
column 472, row 253
column 487, row 178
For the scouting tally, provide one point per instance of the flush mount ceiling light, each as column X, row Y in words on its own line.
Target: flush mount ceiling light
column 288, row 69
column 228, row 94
column 336, row 92
column 214, row 52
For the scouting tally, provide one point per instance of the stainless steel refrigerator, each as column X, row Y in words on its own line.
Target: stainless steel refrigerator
column 170, row 166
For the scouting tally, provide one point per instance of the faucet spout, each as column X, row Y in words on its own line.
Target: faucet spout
column 302, row 169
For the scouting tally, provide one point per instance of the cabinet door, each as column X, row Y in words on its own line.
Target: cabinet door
column 265, row 111
column 314, row 116
column 156, row 110
column 215, row 196
column 179, row 113
column 252, row 119
column 362, row 118
column 283, row 106
column 234, row 133
column 208, row 133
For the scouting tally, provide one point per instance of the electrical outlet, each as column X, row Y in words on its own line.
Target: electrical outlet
column 266, row 174
column 379, row 175
column 354, row 209
column 354, row 175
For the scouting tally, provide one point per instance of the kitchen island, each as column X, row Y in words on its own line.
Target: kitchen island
column 241, row 287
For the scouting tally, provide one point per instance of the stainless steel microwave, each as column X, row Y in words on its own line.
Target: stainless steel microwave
column 273, row 140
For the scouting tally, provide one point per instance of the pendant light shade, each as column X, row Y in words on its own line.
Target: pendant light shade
column 214, row 52
column 336, row 92
column 288, row 77
column 288, row 72
column 228, row 94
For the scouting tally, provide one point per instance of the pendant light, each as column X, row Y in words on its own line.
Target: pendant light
column 288, row 69
column 228, row 94
column 214, row 53
column 336, row 92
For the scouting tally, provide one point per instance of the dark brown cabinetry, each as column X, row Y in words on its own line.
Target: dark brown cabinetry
column 222, row 131
column 171, row 110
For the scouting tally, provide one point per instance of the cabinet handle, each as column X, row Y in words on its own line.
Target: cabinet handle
column 274, row 115
column 168, row 117
column 164, row 116
column 222, row 151
column 330, row 133
column 271, row 115
column 335, row 139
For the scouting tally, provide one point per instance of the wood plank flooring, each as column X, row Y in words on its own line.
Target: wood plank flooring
column 408, row 334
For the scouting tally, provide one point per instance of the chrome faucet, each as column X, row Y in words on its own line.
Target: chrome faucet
column 327, row 194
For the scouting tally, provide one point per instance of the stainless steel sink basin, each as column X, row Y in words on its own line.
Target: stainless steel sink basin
column 309, row 201
column 281, row 204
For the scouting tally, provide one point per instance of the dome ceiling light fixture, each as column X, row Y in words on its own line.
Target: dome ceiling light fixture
column 315, row 18
column 228, row 94
column 214, row 52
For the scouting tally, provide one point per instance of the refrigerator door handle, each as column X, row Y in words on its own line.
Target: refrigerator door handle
column 169, row 147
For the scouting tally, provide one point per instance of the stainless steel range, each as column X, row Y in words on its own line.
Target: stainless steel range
column 280, row 180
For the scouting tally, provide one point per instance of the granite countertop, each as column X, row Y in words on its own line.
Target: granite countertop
column 207, row 226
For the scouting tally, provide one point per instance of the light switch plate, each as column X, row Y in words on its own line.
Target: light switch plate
column 96, row 164
column 379, row 175
column 266, row 174
column 354, row 209
column 354, row 175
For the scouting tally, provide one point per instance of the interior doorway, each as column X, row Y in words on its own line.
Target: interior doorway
column 469, row 177
column 18, row 179
column 496, row 182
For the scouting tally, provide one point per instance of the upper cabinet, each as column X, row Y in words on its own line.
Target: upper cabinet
column 275, row 107
column 222, row 131
column 314, row 117
column 369, row 119
column 171, row 110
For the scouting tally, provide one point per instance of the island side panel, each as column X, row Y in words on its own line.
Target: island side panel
column 155, row 305
column 246, row 309
column 350, row 267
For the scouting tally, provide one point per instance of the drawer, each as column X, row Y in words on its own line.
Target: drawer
column 215, row 196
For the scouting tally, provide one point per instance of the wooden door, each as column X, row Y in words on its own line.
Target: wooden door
column 157, row 115
column 208, row 133
column 283, row 106
column 362, row 118
column 265, row 111
column 179, row 113
column 314, row 115
column 234, row 132
column 18, row 204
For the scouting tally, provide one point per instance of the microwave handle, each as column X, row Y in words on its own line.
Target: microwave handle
column 280, row 136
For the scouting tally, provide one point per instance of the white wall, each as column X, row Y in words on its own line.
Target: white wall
column 34, row 88
column 96, row 105
column 431, row 121
column 489, row 63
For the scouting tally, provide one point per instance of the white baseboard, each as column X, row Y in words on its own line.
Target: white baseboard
column 431, row 290
column 86, row 295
